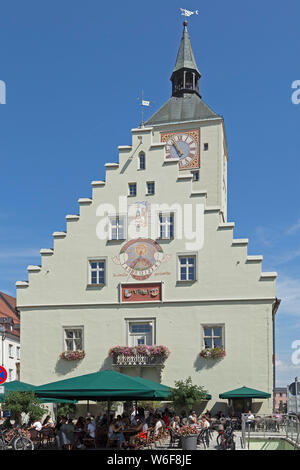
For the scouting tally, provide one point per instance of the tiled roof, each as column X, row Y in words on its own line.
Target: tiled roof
column 189, row 107
column 8, row 309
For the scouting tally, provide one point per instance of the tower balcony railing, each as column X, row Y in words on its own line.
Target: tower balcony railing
column 121, row 360
column 124, row 356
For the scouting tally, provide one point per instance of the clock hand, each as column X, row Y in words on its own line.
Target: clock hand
column 177, row 147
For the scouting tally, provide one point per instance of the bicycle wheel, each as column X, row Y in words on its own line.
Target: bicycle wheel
column 23, row 443
column 3, row 445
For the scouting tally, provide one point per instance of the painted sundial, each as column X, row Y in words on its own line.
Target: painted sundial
column 141, row 257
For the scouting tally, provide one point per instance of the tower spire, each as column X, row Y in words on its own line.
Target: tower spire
column 186, row 75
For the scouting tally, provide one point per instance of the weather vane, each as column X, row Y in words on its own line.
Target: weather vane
column 144, row 104
column 185, row 12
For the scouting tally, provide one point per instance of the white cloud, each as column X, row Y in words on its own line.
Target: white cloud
column 294, row 228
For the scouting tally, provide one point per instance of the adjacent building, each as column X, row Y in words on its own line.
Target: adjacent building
column 9, row 337
column 148, row 279
column 280, row 394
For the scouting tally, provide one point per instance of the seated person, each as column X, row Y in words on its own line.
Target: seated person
column 91, row 427
column 115, row 432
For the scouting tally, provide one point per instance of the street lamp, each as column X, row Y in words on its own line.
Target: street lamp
column 2, row 333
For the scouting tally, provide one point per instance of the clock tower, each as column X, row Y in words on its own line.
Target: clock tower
column 192, row 132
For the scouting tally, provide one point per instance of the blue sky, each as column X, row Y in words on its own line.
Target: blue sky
column 74, row 70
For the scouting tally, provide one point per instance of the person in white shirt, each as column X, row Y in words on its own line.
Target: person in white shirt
column 91, row 427
column 37, row 425
column 250, row 419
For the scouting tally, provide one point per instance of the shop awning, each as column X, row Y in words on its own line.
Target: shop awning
column 244, row 392
column 103, row 386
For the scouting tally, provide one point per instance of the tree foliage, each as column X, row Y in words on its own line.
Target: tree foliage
column 66, row 409
column 23, row 402
column 185, row 394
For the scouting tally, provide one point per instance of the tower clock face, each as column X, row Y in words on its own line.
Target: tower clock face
column 183, row 145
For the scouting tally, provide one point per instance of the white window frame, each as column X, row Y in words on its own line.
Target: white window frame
column 167, row 225
column 10, row 374
column 97, row 260
column 65, row 328
column 142, row 154
column 131, row 184
column 118, row 218
column 18, row 353
column 148, row 183
column 11, row 351
column 187, row 255
column 196, row 172
column 130, row 321
column 213, row 325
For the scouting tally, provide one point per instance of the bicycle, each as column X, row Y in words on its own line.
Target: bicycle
column 15, row 439
column 225, row 439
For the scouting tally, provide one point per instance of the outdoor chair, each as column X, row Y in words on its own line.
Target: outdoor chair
column 36, row 438
column 47, row 437
column 89, row 442
column 110, row 442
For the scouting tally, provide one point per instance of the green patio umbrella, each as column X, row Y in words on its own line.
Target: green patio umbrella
column 18, row 386
column 244, row 392
column 104, row 386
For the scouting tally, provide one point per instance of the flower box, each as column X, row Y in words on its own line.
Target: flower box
column 72, row 355
column 161, row 352
column 213, row 353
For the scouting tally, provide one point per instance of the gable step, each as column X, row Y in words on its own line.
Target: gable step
column 72, row 217
column 34, row 269
column 85, row 200
column 46, row 251
column 59, row 234
column 226, row 226
column 268, row 275
column 254, row 259
column 22, row 284
column 97, row 184
column 241, row 241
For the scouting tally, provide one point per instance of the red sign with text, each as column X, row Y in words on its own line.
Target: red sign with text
column 141, row 292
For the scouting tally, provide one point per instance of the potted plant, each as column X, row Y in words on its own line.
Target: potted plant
column 185, row 395
column 189, row 435
column 161, row 351
column 212, row 353
column 72, row 355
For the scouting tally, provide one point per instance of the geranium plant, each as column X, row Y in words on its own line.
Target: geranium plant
column 143, row 350
column 187, row 430
column 213, row 353
column 72, row 355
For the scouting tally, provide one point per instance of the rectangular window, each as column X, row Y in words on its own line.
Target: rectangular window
column 150, row 188
column 140, row 333
column 118, row 228
column 97, row 272
column 10, row 374
column 187, row 268
column 213, row 336
column 166, row 226
column 195, row 175
column 205, row 146
column 132, row 189
column 18, row 353
column 73, row 339
column 10, row 350
column 142, row 161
